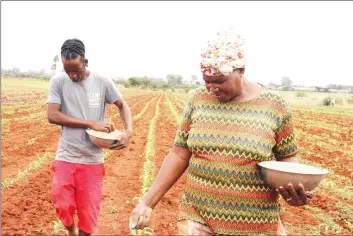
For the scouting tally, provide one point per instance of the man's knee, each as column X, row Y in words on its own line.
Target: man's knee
column 88, row 225
column 88, row 216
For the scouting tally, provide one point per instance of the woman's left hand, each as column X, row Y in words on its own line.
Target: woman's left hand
column 292, row 197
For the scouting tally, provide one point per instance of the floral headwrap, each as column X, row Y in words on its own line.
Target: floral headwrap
column 223, row 55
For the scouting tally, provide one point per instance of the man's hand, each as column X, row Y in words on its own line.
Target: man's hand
column 123, row 142
column 102, row 126
column 293, row 198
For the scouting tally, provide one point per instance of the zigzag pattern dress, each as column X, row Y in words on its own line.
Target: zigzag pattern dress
column 225, row 190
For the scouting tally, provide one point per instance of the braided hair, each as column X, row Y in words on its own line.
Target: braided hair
column 72, row 48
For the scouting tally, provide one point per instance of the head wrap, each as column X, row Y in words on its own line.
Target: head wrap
column 223, row 55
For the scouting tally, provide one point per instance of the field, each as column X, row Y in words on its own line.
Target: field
column 29, row 142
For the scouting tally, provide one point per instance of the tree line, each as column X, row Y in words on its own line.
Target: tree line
column 172, row 82
column 287, row 84
column 16, row 73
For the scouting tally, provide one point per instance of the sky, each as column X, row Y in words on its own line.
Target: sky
column 309, row 42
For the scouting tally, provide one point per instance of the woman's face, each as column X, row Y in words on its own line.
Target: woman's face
column 225, row 88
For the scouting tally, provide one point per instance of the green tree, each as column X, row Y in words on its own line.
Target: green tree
column 174, row 79
column 286, row 82
column 54, row 63
column 194, row 79
column 145, row 82
column 134, row 81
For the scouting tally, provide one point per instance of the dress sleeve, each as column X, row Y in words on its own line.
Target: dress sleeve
column 182, row 134
column 286, row 143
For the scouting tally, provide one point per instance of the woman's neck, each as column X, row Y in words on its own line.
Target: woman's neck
column 250, row 91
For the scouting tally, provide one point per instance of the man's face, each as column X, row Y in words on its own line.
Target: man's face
column 75, row 68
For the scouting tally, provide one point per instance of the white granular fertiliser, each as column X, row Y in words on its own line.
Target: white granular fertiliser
column 115, row 135
column 293, row 167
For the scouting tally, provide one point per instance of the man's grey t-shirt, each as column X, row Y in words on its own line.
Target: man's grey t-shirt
column 84, row 100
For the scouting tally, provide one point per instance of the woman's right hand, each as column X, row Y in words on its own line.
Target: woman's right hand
column 139, row 217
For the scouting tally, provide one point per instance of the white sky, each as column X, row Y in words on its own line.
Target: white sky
column 310, row 42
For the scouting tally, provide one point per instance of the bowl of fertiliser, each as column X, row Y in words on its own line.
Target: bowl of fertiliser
column 104, row 139
column 278, row 173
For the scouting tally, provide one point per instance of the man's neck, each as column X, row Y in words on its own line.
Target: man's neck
column 87, row 74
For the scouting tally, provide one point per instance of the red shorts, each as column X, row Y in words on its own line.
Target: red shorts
column 78, row 187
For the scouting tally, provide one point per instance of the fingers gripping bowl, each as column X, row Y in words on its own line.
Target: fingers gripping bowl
column 103, row 139
column 277, row 173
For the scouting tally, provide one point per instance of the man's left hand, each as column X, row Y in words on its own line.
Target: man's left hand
column 123, row 142
column 294, row 197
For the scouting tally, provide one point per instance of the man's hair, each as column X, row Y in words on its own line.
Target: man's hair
column 72, row 48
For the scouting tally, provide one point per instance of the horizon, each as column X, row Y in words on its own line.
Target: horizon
column 118, row 78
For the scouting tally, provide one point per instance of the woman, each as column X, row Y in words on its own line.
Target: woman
column 226, row 129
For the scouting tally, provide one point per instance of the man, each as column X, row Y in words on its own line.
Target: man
column 333, row 102
column 76, row 101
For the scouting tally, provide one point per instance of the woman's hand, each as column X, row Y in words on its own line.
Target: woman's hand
column 173, row 166
column 139, row 217
column 292, row 197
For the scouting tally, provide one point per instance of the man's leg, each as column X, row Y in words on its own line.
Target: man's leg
column 72, row 230
column 89, row 194
column 63, row 194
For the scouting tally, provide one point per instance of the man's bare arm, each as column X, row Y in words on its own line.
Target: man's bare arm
column 55, row 116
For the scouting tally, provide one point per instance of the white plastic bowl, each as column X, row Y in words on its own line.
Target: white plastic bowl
column 103, row 139
column 278, row 173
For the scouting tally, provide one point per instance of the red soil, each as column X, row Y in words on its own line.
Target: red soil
column 27, row 207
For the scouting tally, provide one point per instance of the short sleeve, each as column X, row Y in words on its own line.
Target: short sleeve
column 112, row 94
column 54, row 91
column 182, row 134
column 286, row 143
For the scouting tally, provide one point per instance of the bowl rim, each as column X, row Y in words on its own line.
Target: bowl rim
column 323, row 170
column 88, row 132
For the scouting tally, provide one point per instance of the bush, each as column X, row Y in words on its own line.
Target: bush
column 301, row 94
column 327, row 101
column 287, row 89
column 127, row 84
column 350, row 100
column 339, row 101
